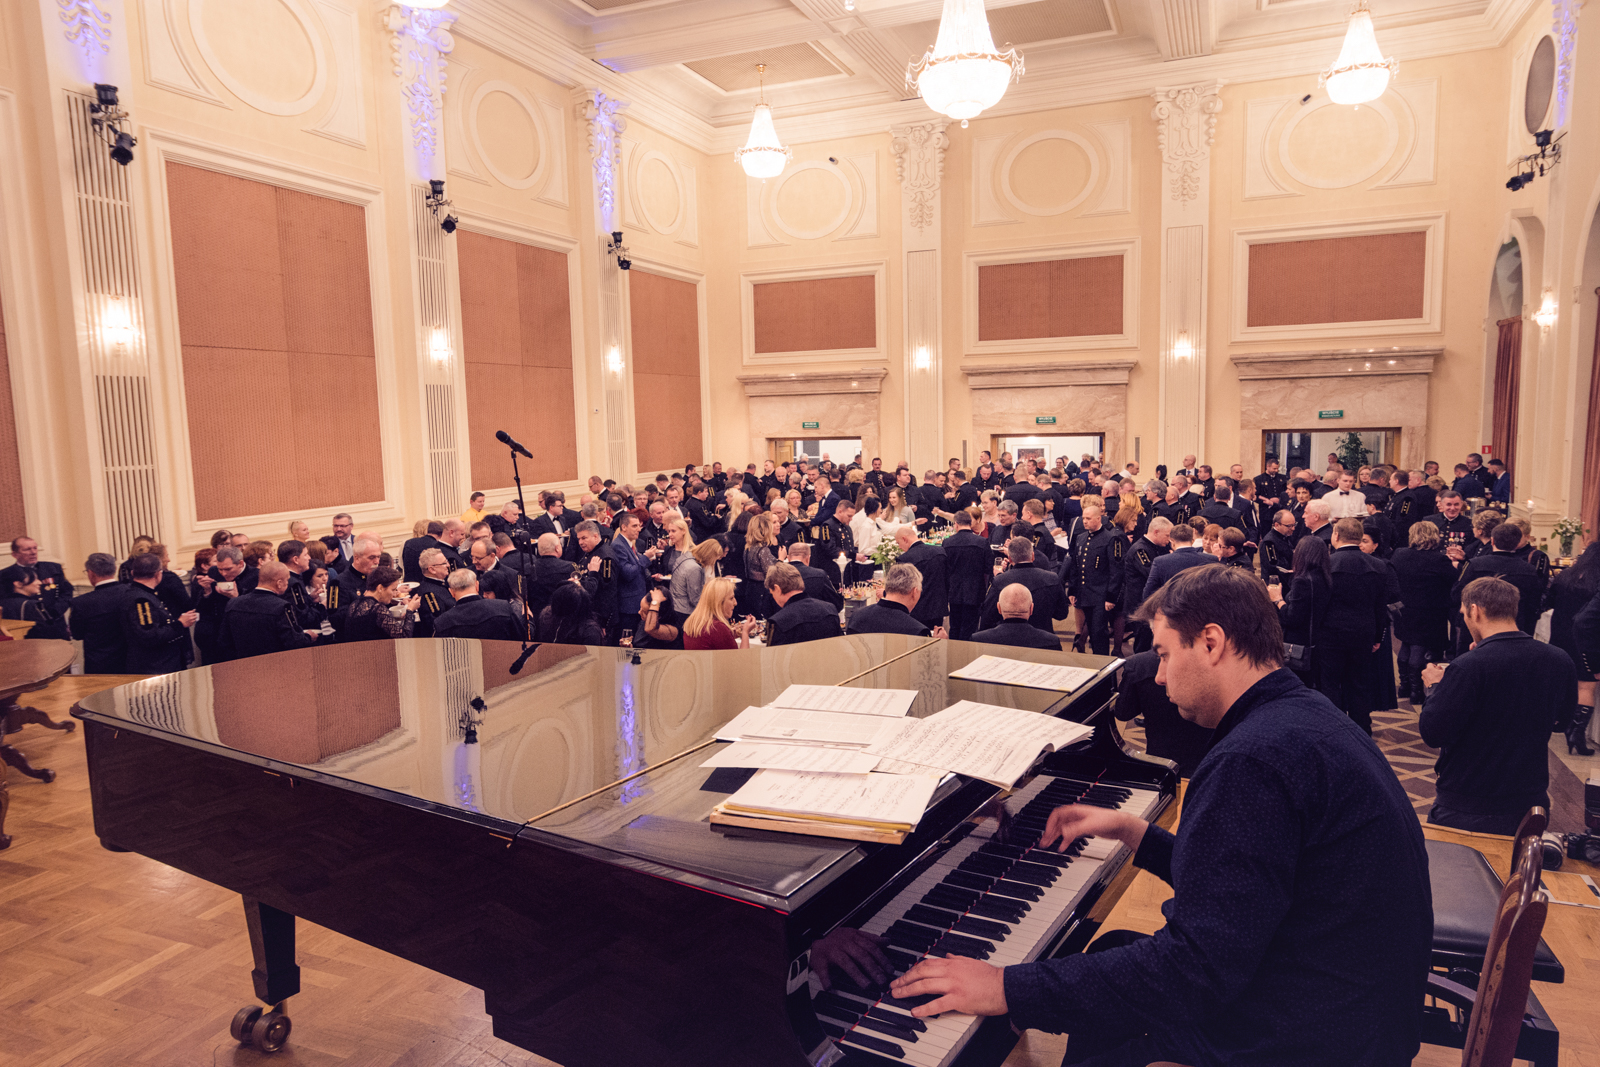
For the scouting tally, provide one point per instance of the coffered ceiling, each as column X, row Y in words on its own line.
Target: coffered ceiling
column 689, row 66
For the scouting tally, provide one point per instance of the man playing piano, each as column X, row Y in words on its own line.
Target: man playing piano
column 1300, row 927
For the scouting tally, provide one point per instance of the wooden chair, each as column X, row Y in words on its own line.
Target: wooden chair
column 1493, row 1013
column 1533, row 825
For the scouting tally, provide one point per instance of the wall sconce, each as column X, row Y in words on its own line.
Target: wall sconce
column 614, row 360
column 1183, row 348
column 1547, row 313
column 439, row 345
column 116, row 324
column 921, row 359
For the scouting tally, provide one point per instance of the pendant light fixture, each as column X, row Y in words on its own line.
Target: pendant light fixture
column 964, row 75
column 762, row 156
column 431, row 5
column 1361, row 73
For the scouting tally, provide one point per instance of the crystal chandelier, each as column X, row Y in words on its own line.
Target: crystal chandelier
column 1360, row 73
column 762, row 156
column 964, row 74
column 431, row 5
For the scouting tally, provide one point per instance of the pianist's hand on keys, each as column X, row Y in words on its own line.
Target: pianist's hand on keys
column 978, row 988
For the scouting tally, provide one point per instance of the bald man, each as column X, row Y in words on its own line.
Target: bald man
column 261, row 621
column 1015, row 628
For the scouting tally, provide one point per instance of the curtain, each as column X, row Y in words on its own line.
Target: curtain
column 1507, row 378
column 1591, row 448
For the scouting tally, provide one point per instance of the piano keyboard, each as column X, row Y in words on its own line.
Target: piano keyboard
column 1001, row 903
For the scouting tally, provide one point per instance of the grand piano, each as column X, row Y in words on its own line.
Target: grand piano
column 543, row 836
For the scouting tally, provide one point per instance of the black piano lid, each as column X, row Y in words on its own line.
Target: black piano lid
column 384, row 718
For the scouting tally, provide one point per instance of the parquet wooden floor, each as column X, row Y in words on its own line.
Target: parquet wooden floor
column 110, row 959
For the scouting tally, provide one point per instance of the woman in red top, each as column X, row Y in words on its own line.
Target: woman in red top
column 709, row 626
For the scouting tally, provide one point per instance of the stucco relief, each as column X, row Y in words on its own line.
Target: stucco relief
column 814, row 200
column 1045, row 173
column 1293, row 146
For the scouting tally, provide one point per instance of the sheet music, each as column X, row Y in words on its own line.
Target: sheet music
column 1022, row 673
column 887, row 799
column 895, row 702
column 794, row 758
column 820, row 727
column 996, row 744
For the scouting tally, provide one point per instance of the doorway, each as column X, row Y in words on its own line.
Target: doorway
column 841, row 450
column 1310, row 448
column 1071, row 447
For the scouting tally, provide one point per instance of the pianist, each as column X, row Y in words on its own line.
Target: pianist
column 1300, row 927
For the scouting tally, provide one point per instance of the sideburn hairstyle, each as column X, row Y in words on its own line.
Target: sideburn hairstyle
column 1229, row 597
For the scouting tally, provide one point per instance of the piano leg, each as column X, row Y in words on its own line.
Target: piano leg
column 276, row 977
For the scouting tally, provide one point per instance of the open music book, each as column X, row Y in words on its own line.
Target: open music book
column 1023, row 673
column 998, row 745
column 870, row 807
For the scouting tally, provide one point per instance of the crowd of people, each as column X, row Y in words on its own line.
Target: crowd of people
column 1370, row 571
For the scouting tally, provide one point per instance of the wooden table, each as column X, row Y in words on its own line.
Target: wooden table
column 27, row 666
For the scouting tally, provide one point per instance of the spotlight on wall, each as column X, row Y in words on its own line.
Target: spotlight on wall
column 615, row 247
column 116, row 323
column 614, row 360
column 921, row 359
column 107, row 119
column 1548, row 312
column 437, row 203
column 1183, row 348
column 1536, row 164
column 439, row 345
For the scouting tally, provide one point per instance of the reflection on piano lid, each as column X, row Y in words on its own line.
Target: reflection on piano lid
column 565, row 864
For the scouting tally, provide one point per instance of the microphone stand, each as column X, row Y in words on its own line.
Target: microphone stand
column 528, row 644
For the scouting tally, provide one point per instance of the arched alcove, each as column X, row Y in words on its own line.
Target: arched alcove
column 1502, row 364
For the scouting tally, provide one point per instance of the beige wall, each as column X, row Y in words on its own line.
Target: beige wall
column 247, row 96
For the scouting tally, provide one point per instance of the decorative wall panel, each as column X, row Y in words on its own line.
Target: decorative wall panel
column 816, row 315
column 516, row 337
column 272, row 285
column 1050, row 298
column 1292, row 147
column 665, row 318
column 1340, row 279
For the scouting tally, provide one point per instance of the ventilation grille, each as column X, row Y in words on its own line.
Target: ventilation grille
column 461, row 684
column 113, row 312
column 437, row 329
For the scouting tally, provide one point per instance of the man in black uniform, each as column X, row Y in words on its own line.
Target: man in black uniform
column 788, row 529
column 1016, row 608
column 895, row 611
column 493, row 580
column 1277, row 547
column 834, row 539
column 705, row 521
column 473, row 616
column 548, row 573
column 968, row 564
column 1455, row 527
column 96, row 618
column 933, row 598
column 1272, row 488
column 262, row 621
column 411, row 551
column 1094, row 577
column 1049, row 600
column 1504, row 563
column 229, row 577
column 347, row 587
column 597, row 573
column 308, row 613
column 985, row 479
column 1156, row 542
column 1220, row 510
column 799, row 617
column 155, row 640
column 1031, row 525
column 1403, row 513
column 1362, row 589
column 55, row 592
column 820, row 584
column 433, row 594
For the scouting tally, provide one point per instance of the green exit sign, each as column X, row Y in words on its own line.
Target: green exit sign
column 1332, row 413
column 1045, row 420
column 811, row 425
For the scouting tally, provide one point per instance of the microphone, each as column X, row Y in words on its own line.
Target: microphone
column 506, row 439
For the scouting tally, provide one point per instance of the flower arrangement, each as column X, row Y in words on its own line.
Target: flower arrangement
column 1566, row 530
column 886, row 553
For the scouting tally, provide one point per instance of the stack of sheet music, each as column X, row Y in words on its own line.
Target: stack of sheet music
column 842, row 762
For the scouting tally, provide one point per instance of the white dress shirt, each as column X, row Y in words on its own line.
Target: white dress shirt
column 1343, row 504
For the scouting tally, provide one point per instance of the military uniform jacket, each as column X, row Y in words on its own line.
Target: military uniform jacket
column 1044, row 543
column 1136, row 571
column 345, row 589
column 834, row 538
column 886, row 617
column 968, row 566
column 935, row 602
column 1403, row 514
column 55, row 592
column 1456, row 531
column 212, row 605
column 154, row 639
column 1177, row 513
column 308, row 613
column 1277, row 555
column 1223, row 516
column 96, row 619
column 435, row 600
column 486, row 620
column 1272, row 485
column 1508, row 567
column 1049, row 600
column 547, row 574
column 802, row 619
column 600, row 584
column 258, row 623
column 1096, row 567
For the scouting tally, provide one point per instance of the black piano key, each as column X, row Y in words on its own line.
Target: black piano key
column 976, row 943
column 994, row 909
column 874, row 1044
column 899, row 1020
column 971, row 924
column 902, row 958
column 938, row 917
column 837, row 1005
column 1032, row 874
column 1047, row 857
column 832, row 1029
column 968, row 880
column 893, row 1029
column 907, row 1003
column 959, row 949
column 983, row 865
column 943, row 896
column 1007, row 888
column 908, row 936
column 995, row 848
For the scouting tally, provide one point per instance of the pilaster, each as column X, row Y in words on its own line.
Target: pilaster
column 604, row 125
column 919, row 164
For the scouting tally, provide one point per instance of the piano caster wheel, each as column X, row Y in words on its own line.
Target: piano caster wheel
column 243, row 1020
column 270, row 1032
